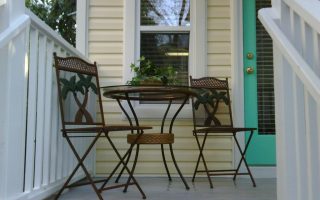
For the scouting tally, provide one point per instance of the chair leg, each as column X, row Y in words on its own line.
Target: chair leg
column 123, row 168
column 242, row 153
column 201, row 148
column 80, row 163
column 177, row 167
column 126, row 167
column 198, row 161
column 133, row 167
column 165, row 162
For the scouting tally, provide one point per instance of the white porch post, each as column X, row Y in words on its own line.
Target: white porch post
column 13, row 87
column 82, row 26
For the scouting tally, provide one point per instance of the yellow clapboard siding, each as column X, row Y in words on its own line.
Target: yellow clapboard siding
column 157, row 168
column 106, row 12
column 219, row 23
column 218, row 35
column 219, row 47
column 219, row 59
column 218, row 3
column 110, row 71
column 106, row 47
column 107, row 59
column 105, row 36
column 110, row 81
column 218, row 12
column 117, row 118
column 213, row 143
column 109, row 3
column 181, row 155
column 105, row 24
column 218, row 71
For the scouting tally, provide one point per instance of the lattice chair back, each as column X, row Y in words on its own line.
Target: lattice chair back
column 211, row 108
column 78, row 90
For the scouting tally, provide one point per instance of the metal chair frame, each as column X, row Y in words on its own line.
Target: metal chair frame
column 88, row 128
column 216, row 130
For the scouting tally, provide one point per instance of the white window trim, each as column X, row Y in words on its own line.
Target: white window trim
column 197, row 49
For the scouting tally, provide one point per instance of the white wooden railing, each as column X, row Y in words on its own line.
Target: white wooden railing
column 294, row 26
column 32, row 144
column 48, row 157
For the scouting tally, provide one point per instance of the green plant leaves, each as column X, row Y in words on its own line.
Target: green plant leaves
column 146, row 71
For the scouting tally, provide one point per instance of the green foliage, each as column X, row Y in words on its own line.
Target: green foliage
column 148, row 73
column 57, row 14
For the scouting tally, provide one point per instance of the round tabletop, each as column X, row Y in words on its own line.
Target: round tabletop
column 147, row 92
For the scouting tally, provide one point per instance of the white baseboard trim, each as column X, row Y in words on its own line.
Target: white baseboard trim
column 257, row 172
column 264, row 172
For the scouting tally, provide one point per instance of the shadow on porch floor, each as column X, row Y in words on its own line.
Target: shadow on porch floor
column 161, row 189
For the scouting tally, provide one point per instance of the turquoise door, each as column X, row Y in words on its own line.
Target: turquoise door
column 258, row 86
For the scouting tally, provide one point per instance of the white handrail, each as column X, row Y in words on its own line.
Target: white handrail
column 300, row 66
column 14, row 30
column 45, row 29
column 308, row 10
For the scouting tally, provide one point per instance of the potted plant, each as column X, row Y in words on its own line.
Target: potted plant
column 147, row 73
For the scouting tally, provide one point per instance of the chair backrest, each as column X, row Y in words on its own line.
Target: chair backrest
column 211, row 108
column 78, row 91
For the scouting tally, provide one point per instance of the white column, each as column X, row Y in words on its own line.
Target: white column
column 82, row 26
column 13, row 76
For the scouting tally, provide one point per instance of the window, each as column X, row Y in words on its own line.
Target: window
column 164, row 30
column 169, row 33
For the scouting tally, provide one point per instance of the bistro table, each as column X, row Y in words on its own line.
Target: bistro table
column 169, row 94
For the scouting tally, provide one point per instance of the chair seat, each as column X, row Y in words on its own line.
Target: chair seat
column 151, row 138
column 104, row 128
column 222, row 130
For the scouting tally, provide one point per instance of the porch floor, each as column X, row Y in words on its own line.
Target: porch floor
column 160, row 189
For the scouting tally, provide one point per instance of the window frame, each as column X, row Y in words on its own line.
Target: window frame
column 197, row 50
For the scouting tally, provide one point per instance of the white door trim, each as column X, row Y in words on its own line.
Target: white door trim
column 237, row 86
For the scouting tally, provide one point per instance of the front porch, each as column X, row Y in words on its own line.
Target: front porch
column 35, row 160
column 161, row 188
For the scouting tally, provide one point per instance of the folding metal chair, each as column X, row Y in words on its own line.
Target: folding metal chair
column 212, row 116
column 78, row 84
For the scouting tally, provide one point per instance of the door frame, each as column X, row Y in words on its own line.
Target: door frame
column 237, row 85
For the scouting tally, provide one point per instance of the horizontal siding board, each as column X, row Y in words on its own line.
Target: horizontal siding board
column 156, row 168
column 218, row 12
column 219, row 23
column 218, row 35
column 105, row 36
column 109, row 3
column 219, row 60
column 106, row 12
column 110, row 72
column 218, row 71
column 182, row 155
column 107, row 59
column 219, row 47
column 218, row 3
column 105, row 24
column 214, row 143
column 106, row 47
